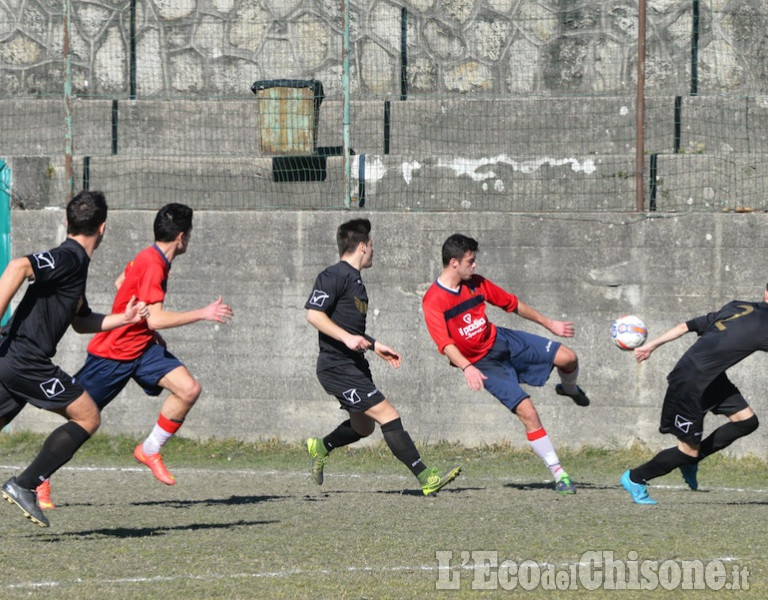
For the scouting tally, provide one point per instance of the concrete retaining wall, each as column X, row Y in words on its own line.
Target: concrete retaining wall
column 258, row 373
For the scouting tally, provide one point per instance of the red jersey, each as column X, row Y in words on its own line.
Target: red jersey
column 458, row 316
column 146, row 277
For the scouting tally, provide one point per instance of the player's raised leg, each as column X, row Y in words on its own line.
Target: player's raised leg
column 567, row 364
column 185, row 390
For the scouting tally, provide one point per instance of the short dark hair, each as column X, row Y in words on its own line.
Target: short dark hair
column 457, row 246
column 351, row 233
column 86, row 212
column 171, row 220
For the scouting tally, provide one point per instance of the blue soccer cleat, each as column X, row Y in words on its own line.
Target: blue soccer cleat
column 638, row 491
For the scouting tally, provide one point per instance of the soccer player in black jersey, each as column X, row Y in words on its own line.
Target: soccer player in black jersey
column 697, row 385
column 337, row 308
column 54, row 299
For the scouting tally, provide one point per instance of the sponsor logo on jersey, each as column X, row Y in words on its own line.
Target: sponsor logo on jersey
column 351, row 396
column 682, row 423
column 318, row 298
column 44, row 260
column 369, row 394
column 52, row 387
column 472, row 328
column 361, row 305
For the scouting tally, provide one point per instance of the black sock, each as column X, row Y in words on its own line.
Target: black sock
column 402, row 446
column 726, row 434
column 57, row 449
column 664, row 462
column 343, row 435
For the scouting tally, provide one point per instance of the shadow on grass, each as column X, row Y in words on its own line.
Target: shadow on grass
column 231, row 501
column 544, row 485
column 139, row 532
column 405, row 492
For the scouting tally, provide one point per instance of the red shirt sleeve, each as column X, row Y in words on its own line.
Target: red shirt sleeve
column 498, row 296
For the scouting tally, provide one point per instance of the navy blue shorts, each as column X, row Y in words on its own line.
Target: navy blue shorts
column 105, row 378
column 352, row 386
column 517, row 357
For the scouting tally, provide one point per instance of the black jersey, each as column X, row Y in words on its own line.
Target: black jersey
column 51, row 301
column 340, row 293
column 726, row 337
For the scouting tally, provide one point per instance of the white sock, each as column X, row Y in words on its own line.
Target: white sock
column 156, row 440
column 544, row 449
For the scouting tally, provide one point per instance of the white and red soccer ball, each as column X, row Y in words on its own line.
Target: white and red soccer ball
column 628, row 332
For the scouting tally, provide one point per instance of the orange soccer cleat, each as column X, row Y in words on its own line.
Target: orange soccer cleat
column 155, row 464
column 44, row 495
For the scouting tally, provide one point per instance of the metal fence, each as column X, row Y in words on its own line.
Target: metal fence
column 522, row 105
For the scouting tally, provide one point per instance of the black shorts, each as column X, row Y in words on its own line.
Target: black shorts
column 352, row 386
column 683, row 417
column 40, row 384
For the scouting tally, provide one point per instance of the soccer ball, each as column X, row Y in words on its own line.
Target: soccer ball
column 628, row 332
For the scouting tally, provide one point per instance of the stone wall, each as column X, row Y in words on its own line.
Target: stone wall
column 205, row 48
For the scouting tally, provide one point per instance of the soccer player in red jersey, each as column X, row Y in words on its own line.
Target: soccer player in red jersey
column 496, row 358
column 138, row 351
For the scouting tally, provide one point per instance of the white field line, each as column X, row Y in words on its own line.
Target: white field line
column 302, row 572
column 331, row 476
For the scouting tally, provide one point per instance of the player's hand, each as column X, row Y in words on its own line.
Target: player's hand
column 643, row 353
column 388, row 354
column 135, row 311
column 474, row 378
column 563, row 328
column 218, row 311
column 356, row 342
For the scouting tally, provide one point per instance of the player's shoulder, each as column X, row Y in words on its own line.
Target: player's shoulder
column 432, row 290
column 66, row 255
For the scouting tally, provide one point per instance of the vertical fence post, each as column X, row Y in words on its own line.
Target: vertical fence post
column 70, row 181
column 640, row 108
column 695, row 48
column 132, row 52
column 345, row 93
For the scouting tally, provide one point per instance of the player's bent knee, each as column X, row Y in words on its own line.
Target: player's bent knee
column 566, row 359
column 747, row 426
column 364, row 430
column 189, row 394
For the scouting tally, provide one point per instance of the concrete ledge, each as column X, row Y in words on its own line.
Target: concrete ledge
column 527, row 126
column 523, row 126
column 684, row 182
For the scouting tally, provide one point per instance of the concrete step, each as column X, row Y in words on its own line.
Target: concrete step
column 473, row 127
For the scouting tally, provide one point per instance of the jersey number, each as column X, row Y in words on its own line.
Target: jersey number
column 721, row 323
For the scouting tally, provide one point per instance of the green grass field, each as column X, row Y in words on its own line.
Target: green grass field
column 246, row 521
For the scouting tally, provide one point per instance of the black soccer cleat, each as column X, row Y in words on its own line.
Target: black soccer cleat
column 26, row 500
column 579, row 397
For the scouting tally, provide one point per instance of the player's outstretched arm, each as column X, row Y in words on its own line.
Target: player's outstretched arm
column 559, row 328
column 95, row 322
column 165, row 319
column 644, row 352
